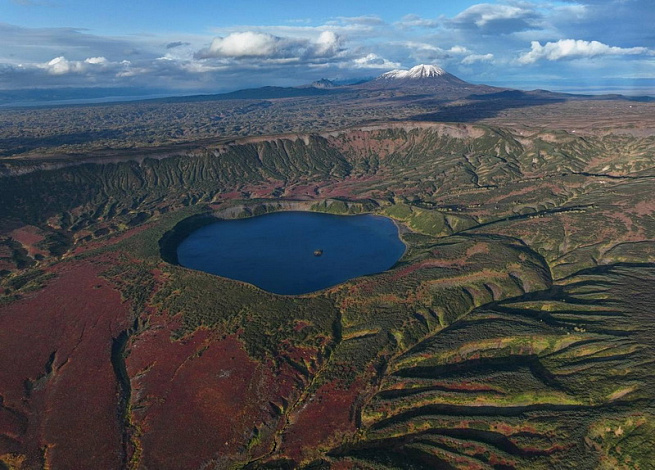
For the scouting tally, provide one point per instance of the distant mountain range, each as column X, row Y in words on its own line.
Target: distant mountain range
column 419, row 80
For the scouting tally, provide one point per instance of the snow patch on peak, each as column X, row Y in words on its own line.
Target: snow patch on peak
column 420, row 71
column 425, row 71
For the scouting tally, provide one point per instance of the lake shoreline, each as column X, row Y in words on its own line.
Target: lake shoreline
column 278, row 252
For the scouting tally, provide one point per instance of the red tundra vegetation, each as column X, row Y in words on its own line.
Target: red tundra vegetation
column 60, row 399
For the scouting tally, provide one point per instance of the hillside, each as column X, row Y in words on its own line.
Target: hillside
column 516, row 332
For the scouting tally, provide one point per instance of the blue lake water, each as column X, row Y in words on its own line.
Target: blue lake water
column 276, row 252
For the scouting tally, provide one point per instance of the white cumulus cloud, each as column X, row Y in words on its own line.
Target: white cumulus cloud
column 96, row 61
column 572, row 49
column 327, row 44
column 374, row 61
column 253, row 44
column 246, row 44
column 61, row 66
column 473, row 58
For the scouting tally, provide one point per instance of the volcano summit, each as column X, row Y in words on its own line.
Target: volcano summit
column 427, row 79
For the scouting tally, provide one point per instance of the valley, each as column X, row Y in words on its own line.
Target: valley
column 516, row 332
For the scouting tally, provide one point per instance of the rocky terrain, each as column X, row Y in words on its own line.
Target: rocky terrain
column 516, row 331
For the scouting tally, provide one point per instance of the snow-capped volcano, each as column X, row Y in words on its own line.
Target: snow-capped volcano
column 418, row 76
column 420, row 71
column 425, row 79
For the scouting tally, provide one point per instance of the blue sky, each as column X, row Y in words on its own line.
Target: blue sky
column 200, row 16
column 213, row 46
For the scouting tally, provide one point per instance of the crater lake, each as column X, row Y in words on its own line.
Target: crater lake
column 294, row 253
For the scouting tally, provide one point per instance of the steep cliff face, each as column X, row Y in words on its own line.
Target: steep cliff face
column 425, row 159
column 31, row 193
